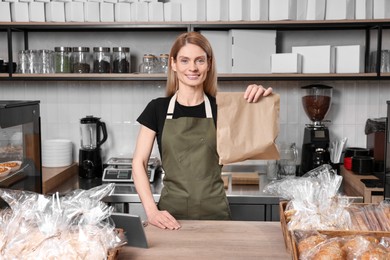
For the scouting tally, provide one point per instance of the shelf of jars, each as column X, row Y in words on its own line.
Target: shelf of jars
column 162, row 77
column 288, row 24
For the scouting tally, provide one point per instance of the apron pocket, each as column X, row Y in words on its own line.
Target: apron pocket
column 216, row 208
column 176, row 206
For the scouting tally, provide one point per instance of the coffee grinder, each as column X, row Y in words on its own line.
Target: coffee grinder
column 316, row 102
column 90, row 161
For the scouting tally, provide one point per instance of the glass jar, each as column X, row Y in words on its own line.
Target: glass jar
column 148, row 64
column 288, row 160
column 62, row 59
column 46, row 61
column 24, row 62
column 121, row 60
column 101, row 60
column 163, row 63
column 81, row 60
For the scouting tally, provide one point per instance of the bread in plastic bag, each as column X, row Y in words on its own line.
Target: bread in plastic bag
column 74, row 226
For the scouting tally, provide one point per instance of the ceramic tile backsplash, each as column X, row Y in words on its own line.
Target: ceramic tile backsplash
column 120, row 103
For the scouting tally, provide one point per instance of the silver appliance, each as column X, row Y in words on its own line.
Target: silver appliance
column 119, row 170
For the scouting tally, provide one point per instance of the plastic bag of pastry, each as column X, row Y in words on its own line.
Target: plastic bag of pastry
column 354, row 246
column 372, row 220
column 41, row 227
column 306, row 241
column 321, row 182
column 314, row 245
column 314, row 199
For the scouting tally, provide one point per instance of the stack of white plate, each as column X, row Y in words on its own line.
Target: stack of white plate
column 57, row 153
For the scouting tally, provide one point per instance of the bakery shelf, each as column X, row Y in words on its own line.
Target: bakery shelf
column 162, row 77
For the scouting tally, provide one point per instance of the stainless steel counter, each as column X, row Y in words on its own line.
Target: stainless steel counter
column 126, row 193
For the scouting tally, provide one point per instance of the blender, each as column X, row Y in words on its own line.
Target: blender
column 90, row 161
column 316, row 102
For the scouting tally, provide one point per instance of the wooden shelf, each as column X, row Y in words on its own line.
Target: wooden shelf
column 163, row 77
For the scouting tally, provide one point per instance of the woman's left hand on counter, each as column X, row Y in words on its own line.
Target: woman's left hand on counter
column 254, row 92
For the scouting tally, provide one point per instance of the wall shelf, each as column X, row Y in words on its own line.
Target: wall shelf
column 162, row 77
column 30, row 27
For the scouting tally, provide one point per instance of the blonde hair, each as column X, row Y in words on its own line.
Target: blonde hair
column 210, row 83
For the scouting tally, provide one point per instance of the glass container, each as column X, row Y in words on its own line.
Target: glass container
column 62, row 59
column 316, row 102
column 148, row 64
column 163, row 63
column 81, row 60
column 46, row 62
column 101, row 60
column 121, row 60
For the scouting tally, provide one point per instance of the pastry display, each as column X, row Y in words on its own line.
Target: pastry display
column 4, row 171
column 319, row 246
column 13, row 165
column 314, row 204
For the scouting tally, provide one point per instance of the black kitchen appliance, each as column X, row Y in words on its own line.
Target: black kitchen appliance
column 316, row 101
column 20, row 142
column 90, row 161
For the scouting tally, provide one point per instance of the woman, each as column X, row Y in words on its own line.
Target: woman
column 184, row 124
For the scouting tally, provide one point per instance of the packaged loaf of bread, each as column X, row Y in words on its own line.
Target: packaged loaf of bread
column 74, row 226
column 314, row 201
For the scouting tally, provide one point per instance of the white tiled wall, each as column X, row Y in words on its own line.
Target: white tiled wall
column 119, row 104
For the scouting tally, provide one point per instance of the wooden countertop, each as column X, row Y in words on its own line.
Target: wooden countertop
column 353, row 186
column 212, row 240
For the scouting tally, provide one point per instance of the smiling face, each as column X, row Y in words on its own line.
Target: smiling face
column 191, row 66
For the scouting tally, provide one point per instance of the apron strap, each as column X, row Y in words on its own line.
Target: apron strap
column 172, row 103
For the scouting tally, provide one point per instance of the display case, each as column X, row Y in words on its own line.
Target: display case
column 20, row 145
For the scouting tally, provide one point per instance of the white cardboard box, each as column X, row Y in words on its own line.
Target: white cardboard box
column 55, row 11
column 172, row 12
column 340, row 9
column 74, row 12
column 282, row 10
column 364, row 9
column 217, row 10
column 316, row 59
column 349, row 59
column 250, row 53
column 301, row 9
column 139, row 12
column 5, row 12
column 107, row 12
column 192, row 10
column 156, row 12
column 286, row 63
column 221, row 45
column 258, row 10
column 251, row 50
column 381, row 9
column 36, row 11
column 239, row 10
column 315, row 10
column 122, row 12
column 19, row 12
column 91, row 12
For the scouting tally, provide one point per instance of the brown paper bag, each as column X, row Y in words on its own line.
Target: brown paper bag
column 245, row 130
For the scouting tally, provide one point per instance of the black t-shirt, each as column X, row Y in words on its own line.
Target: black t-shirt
column 155, row 113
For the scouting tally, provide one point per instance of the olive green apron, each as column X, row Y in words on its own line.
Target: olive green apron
column 193, row 187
